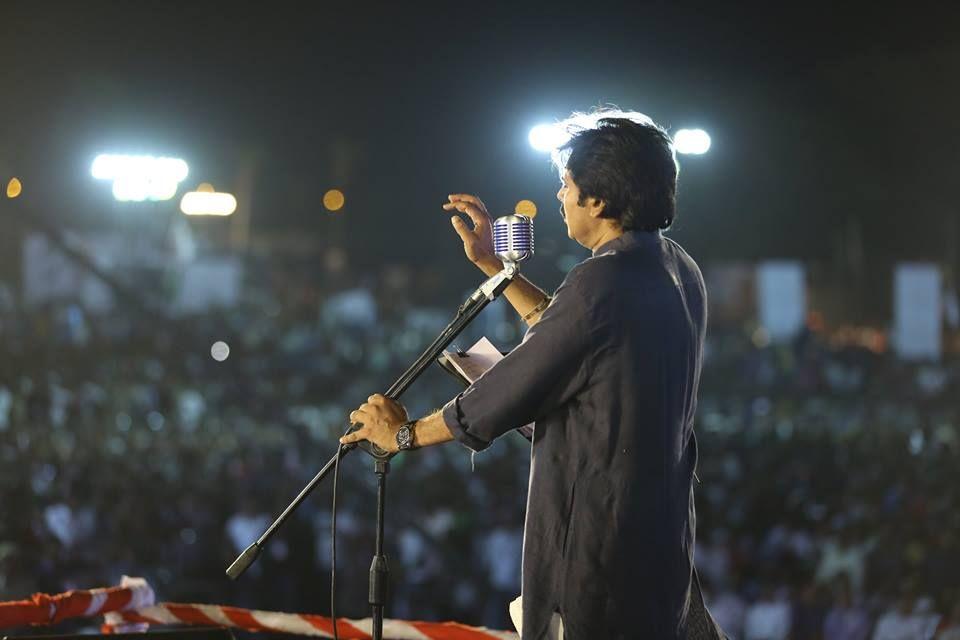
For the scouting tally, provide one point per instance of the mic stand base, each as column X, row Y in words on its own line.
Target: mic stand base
column 379, row 571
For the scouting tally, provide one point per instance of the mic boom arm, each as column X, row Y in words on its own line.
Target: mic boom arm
column 485, row 293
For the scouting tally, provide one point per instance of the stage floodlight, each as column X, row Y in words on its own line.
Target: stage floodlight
column 206, row 203
column 162, row 190
column 131, row 189
column 139, row 178
column 172, row 169
column 333, row 200
column 691, row 141
column 104, row 167
column 547, row 137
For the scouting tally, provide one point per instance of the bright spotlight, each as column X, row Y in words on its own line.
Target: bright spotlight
column 173, row 169
column 691, row 141
column 162, row 190
column 206, row 203
column 547, row 137
column 132, row 189
column 138, row 178
column 104, row 167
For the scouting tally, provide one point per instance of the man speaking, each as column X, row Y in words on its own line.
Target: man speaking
column 608, row 370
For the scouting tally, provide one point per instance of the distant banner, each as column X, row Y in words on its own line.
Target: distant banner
column 209, row 283
column 782, row 298
column 50, row 275
column 917, row 305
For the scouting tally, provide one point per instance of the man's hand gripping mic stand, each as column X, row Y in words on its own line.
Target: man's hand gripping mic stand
column 480, row 298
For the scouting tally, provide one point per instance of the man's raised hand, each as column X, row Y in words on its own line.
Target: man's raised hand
column 477, row 241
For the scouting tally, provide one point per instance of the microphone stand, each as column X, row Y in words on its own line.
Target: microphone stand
column 379, row 571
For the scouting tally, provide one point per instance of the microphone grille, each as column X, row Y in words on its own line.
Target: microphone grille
column 513, row 238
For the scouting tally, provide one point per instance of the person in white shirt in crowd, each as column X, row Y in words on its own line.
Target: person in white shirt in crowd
column 769, row 617
column 846, row 619
column 845, row 554
column 909, row 618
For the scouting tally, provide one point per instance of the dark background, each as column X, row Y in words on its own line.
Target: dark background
column 821, row 117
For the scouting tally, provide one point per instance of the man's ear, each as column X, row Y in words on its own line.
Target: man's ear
column 597, row 207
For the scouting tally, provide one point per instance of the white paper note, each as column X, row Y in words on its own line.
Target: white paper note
column 478, row 359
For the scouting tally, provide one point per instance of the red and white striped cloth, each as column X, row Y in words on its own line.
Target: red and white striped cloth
column 40, row 609
column 301, row 623
column 131, row 605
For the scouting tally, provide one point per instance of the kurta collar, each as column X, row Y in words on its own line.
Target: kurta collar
column 628, row 239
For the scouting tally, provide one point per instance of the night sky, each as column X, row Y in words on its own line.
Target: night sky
column 822, row 121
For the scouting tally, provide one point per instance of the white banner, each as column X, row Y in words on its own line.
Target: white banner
column 49, row 274
column 917, row 304
column 208, row 283
column 782, row 298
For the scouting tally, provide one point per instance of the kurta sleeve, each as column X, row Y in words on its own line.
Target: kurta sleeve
column 538, row 376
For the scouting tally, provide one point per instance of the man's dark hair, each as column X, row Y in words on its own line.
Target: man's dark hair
column 625, row 160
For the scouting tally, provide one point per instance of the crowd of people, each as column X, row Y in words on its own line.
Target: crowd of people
column 827, row 498
column 827, row 507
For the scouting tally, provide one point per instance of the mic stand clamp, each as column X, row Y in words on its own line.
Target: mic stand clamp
column 494, row 285
column 472, row 306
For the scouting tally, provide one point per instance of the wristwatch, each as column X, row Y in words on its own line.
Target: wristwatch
column 405, row 436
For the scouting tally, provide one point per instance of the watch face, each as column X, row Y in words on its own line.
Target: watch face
column 404, row 437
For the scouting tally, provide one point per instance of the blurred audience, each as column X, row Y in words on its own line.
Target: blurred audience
column 828, row 503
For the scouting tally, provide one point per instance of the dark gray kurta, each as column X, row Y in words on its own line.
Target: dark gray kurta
column 610, row 375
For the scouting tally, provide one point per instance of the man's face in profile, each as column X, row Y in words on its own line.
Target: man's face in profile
column 580, row 224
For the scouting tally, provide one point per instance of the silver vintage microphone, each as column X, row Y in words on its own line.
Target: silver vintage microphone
column 513, row 238
column 512, row 243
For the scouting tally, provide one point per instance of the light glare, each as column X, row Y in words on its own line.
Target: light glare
column 131, row 189
column 691, row 141
column 162, row 190
column 104, row 167
column 138, row 178
column 547, row 137
column 174, row 169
